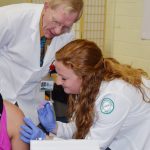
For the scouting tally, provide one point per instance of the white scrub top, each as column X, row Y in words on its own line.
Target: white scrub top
column 20, row 71
column 122, row 118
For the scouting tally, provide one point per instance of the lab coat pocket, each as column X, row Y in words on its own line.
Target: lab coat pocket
column 31, row 84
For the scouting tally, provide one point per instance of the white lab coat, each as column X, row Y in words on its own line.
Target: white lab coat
column 20, row 71
column 125, row 127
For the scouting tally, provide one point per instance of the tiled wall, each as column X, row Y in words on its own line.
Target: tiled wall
column 123, row 33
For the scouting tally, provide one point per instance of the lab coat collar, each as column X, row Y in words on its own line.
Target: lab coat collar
column 36, row 18
column 35, row 24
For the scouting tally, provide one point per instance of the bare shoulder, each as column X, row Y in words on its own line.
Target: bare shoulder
column 13, row 111
column 14, row 118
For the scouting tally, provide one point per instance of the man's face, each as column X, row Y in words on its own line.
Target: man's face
column 57, row 21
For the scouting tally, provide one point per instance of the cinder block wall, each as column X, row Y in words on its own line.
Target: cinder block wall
column 123, row 33
column 7, row 2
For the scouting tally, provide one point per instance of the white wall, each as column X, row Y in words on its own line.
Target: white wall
column 123, row 33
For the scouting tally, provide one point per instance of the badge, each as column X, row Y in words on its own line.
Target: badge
column 107, row 106
column 47, row 85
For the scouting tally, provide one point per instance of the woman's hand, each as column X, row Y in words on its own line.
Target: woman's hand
column 31, row 132
column 47, row 117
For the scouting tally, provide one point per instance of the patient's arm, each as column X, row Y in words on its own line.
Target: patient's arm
column 14, row 121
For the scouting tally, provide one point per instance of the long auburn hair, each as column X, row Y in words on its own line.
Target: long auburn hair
column 86, row 60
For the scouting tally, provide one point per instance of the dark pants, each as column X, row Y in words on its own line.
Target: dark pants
column 16, row 104
column 107, row 148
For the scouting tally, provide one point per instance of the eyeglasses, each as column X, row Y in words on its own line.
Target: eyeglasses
column 57, row 24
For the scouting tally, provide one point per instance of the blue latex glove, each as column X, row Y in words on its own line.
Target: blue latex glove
column 47, row 117
column 31, row 132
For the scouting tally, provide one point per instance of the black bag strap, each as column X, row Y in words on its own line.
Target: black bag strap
column 1, row 105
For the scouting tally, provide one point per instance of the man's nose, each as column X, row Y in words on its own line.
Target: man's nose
column 58, row 30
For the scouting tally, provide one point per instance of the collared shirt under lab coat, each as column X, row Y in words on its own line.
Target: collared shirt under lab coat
column 20, row 71
column 127, row 127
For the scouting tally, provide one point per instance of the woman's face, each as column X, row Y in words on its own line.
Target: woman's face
column 68, row 79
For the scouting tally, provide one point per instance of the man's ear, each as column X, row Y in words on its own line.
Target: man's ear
column 46, row 5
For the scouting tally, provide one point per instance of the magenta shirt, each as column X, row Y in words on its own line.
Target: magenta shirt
column 5, row 143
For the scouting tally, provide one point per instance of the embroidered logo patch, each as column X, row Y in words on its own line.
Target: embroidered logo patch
column 107, row 106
